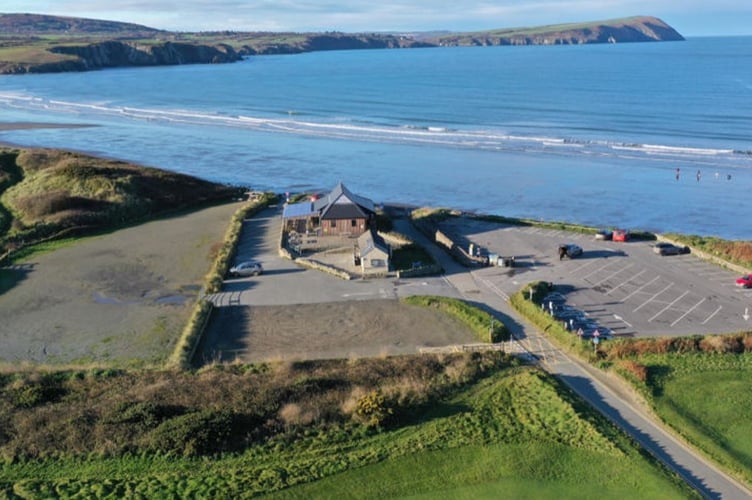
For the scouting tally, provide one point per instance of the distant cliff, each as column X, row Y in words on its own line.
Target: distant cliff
column 627, row 30
column 112, row 54
column 33, row 43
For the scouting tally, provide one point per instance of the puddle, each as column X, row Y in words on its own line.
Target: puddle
column 101, row 298
column 172, row 299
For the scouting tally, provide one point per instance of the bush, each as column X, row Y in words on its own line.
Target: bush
column 371, row 409
column 193, row 434
column 634, row 369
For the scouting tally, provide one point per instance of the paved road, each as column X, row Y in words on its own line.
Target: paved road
column 598, row 388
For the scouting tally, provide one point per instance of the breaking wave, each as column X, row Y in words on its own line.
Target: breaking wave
column 289, row 122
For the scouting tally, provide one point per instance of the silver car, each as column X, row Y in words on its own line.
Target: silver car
column 569, row 250
column 249, row 268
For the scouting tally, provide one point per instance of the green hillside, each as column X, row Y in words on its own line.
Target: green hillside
column 50, row 194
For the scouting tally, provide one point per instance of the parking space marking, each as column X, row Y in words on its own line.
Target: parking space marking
column 711, row 316
column 653, row 297
column 640, row 288
column 626, row 282
column 585, row 265
column 668, row 306
column 613, row 274
column 689, row 311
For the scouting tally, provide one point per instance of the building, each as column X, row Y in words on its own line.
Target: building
column 374, row 253
column 339, row 213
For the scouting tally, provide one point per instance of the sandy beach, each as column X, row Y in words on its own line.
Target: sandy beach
column 33, row 125
column 7, row 126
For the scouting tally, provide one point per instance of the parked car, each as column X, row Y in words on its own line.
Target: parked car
column 665, row 248
column 744, row 281
column 620, row 235
column 569, row 250
column 604, row 234
column 248, row 268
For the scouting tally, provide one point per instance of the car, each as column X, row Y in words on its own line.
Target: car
column 665, row 248
column 569, row 250
column 604, row 234
column 248, row 268
column 744, row 281
column 620, row 235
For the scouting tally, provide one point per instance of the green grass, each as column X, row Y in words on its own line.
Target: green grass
column 706, row 398
column 485, row 326
column 517, row 431
column 55, row 194
column 405, row 256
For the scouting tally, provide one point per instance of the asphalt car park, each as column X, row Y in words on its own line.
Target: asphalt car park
column 623, row 286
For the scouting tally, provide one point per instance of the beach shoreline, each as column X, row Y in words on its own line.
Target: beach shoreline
column 9, row 126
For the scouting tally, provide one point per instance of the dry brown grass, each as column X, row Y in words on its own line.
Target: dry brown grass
column 50, row 413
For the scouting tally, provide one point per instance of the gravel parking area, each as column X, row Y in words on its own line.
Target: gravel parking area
column 291, row 312
column 121, row 297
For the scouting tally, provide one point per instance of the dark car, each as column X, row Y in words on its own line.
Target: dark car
column 569, row 250
column 604, row 234
column 665, row 248
column 249, row 268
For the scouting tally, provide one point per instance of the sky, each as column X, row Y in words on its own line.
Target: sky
column 688, row 17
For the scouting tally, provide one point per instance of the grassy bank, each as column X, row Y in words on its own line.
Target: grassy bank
column 696, row 385
column 365, row 428
column 699, row 386
column 50, row 194
column 485, row 327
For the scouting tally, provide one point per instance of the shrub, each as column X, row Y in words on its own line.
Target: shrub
column 200, row 433
column 33, row 393
column 635, row 369
column 142, row 414
column 371, row 409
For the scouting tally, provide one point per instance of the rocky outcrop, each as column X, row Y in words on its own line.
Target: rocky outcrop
column 117, row 54
column 633, row 29
column 332, row 41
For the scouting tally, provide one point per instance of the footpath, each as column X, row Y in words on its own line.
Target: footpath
column 603, row 391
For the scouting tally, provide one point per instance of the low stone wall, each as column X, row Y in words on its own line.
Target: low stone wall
column 431, row 270
column 709, row 257
column 320, row 266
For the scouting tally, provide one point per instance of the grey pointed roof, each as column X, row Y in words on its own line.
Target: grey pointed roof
column 341, row 203
column 369, row 241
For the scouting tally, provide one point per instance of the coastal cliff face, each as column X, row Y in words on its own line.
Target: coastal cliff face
column 44, row 44
column 112, row 54
column 332, row 41
column 635, row 29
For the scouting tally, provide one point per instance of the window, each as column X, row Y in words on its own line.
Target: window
column 377, row 263
column 353, row 223
column 334, row 224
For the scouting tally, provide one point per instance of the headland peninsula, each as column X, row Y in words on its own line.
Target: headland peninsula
column 33, row 43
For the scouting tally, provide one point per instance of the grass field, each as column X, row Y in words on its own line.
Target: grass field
column 706, row 398
column 513, row 431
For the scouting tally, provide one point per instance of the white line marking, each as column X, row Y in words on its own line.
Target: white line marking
column 653, row 297
column 626, row 282
column 668, row 306
column 613, row 274
column 640, row 288
column 711, row 316
column 688, row 311
column 608, row 264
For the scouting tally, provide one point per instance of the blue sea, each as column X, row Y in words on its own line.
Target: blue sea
column 651, row 136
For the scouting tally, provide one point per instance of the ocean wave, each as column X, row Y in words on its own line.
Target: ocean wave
column 344, row 128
